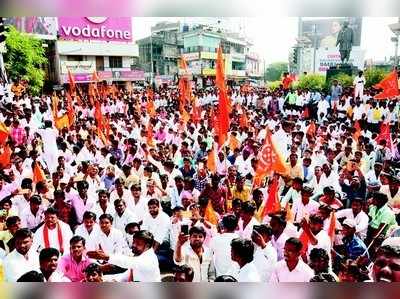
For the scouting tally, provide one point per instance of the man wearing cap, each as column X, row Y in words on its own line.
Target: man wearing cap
column 353, row 245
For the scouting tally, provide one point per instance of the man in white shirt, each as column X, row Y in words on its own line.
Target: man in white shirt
column 33, row 215
column 292, row 268
column 110, row 239
column 265, row 255
column 304, row 207
column 89, row 230
column 48, row 260
column 358, row 215
column 221, row 245
column 22, row 259
column 195, row 254
column 359, row 82
column 122, row 216
column 54, row 233
column 279, row 237
column 156, row 222
column 247, row 220
column 242, row 252
column 143, row 266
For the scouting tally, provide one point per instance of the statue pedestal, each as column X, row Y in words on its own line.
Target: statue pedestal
column 347, row 69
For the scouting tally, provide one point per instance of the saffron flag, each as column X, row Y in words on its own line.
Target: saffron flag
column 102, row 136
column 357, row 133
column 95, row 77
column 389, row 85
column 185, row 115
column 312, row 129
column 38, row 173
column 211, row 161
column 196, row 113
column 210, row 215
column 269, row 160
column 289, row 213
column 3, row 133
column 234, row 143
column 243, row 121
column 332, row 227
column 304, row 241
column 150, row 140
column 223, row 114
column 72, row 85
column 272, row 203
column 385, row 135
column 70, row 110
column 62, row 122
column 5, row 157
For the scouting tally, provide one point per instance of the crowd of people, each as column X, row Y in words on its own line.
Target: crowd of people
column 156, row 198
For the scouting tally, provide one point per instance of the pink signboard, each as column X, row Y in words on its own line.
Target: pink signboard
column 95, row 28
column 81, row 78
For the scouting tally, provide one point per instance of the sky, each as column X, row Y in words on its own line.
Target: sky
column 273, row 37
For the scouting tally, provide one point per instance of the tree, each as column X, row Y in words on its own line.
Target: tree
column 312, row 82
column 374, row 76
column 344, row 79
column 24, row 59
column 275, row 70
column 274, row 85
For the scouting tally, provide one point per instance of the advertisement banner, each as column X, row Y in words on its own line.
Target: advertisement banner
column 76, row 67
column 191, row 56
column 41, row 27
column 134, row 75
column 326, row 31
column 331, row 57
column 95, row 28
column 87, row 77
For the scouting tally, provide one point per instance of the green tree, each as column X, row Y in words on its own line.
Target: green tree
column 273, row 85
column 344, row 79
column 312, row 82
column 275, row 70
column 24, row 59
column 374, row 76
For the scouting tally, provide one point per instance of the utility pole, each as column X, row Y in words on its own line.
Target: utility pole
column 314, row 46
column 3, row 37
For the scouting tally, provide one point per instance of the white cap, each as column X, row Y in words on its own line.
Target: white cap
column 350, row 223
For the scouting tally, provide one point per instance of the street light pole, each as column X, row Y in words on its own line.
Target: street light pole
column 314, row 46
column 151, row 58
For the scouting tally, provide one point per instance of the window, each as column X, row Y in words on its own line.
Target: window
column 75, row 58
column 115, row 62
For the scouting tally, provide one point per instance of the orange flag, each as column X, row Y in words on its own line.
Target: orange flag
column 289, row 213
column 390, row 86
column 71, row 81
column 62, row 122
column 243, row 121
column 98, row 116
column 312, row 129
column 305, row 241
column 385, row 135
column 38, row 173
column 102, row 136
column 272, row 203
column 223, row 114
column 269, row 160
column 210, row 215
column 211, row 161
column 196, row 113
column 332, row 227
column 5, row 157
column 150, row 140
column 185, row 115
column 3, row 133
column 70, row 110
column 95, row 77
column 357, row 133
column 234, row 143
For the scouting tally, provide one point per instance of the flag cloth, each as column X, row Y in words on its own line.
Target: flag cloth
column 151, row 110
column 211, row 161
column 71, row 81
column 385, row 135
column 38, row 173
column 70, row 110
column 271, row 204
column 243, row 121
column 304, row 241
column 4, row 132
column 357, row 133
column 223, row 114
column 332, row 227
column 102, row 136
column 5, row 157
column 98, row 116
column 62, row 122
column 389, row 85
column 150, row 140
column 269, row 160
column 312, row 129
column 95, row 77
column 210, row 215
column 289, row 213
column 196, row 112
column 234, row 143
column 185, row 115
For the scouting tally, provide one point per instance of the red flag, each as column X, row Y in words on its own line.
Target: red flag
column 38, row 173
column 3, row 133
column 223, row 114
column 385, row 135
column 5, row 157
column 390, row 86
column 272, row 204
column 243, row 121
column 70, row 110
column 269, row 160
column 98, row 116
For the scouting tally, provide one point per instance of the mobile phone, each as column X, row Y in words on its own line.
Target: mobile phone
column 185, row 229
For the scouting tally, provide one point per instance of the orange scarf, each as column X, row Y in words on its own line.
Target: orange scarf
column 59, row 235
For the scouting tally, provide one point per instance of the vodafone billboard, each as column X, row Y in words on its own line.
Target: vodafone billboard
column 95, row 28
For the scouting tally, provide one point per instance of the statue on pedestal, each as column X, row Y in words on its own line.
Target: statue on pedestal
column 345, row 42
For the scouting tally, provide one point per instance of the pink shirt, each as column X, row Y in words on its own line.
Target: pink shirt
column 73, row 270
